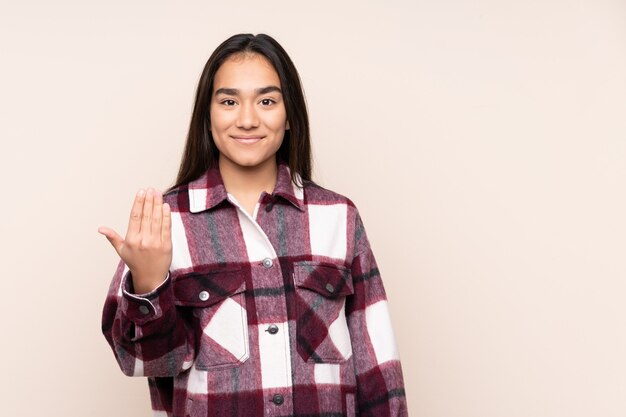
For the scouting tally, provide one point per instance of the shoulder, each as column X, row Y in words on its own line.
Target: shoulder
column 177, row 198
column 323, row 203
column 315, row 194
column 332, row 211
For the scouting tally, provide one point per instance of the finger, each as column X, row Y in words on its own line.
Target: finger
column 166, row 229
column 157, row 214
column 112, row 236
column 146, row 218
column 134, row 223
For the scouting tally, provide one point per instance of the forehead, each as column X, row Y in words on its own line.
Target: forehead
column 246, row 72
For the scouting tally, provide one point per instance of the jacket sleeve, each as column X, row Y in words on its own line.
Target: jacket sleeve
column 380, row 383
column 147, row 333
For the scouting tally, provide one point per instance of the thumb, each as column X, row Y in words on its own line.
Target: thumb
column 115, row 239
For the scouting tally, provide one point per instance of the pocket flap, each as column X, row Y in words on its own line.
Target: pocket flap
column 324, row 278
column 205, row 288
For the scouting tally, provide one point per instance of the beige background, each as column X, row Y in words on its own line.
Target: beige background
column 484, row 143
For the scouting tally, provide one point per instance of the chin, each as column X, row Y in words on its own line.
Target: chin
column 248, row 162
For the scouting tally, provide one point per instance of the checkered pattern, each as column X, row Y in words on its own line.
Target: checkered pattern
column 279, row 313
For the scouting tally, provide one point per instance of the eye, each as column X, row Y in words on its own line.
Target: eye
column 267, row 101
column 228, row 102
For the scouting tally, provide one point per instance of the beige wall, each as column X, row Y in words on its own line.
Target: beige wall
column 483, row 141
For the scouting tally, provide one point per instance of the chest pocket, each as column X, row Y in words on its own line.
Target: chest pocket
column 217, row 299
column 321, row 326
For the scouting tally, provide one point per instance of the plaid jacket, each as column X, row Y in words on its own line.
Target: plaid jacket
column 282, row 313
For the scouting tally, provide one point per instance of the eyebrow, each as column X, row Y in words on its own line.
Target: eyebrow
column 235, row 91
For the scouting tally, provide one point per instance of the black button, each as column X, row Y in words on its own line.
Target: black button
column 273, row 329
column 278, row 399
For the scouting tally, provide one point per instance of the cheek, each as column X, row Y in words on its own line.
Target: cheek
column 219, row 120
column 278, row 120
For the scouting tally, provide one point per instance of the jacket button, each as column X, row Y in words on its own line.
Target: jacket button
column 278, row 399
column 144, row 309
column 330, row 287
column 203, row 296
column 267, row 262
column 272, row 329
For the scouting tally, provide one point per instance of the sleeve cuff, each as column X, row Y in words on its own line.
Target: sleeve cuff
column 142, row 308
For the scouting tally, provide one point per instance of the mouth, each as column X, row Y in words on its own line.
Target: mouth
column 247, row 139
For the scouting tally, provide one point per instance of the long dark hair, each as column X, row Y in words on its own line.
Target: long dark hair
column 200, row 151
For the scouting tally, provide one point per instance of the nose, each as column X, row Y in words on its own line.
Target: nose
column 247, row 117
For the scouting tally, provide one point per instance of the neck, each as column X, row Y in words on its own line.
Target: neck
column 242, row 180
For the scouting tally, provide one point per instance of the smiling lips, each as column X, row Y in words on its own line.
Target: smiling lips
column 247, row 139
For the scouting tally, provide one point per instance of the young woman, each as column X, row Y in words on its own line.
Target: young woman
column 247, row 289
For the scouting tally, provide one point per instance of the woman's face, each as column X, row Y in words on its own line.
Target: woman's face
column 248, row 117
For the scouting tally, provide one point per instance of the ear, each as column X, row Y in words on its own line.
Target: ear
column 287, row 125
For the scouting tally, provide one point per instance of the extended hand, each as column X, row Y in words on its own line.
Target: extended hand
column 147, row 248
